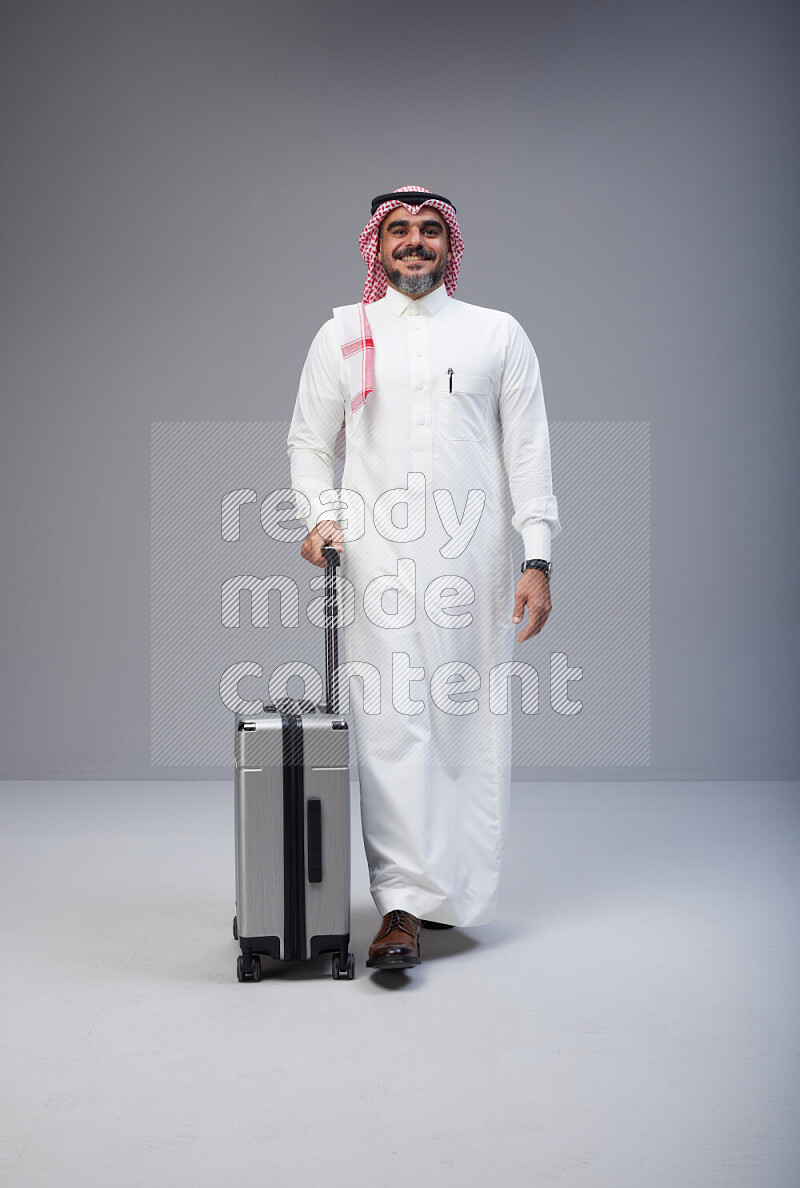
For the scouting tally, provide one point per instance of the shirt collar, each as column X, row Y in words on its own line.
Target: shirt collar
column 430, row 304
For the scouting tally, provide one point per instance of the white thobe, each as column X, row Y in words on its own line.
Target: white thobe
column 457, row 417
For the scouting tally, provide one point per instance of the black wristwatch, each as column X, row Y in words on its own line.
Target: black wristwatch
column 545, row 566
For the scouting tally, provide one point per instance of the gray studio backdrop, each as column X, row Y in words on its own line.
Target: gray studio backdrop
column 183, row 186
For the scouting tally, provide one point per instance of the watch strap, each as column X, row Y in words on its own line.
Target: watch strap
column 538, row 563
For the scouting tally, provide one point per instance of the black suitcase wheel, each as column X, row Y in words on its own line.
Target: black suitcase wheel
column 348, row 970
column 256, row 968
column 240, row 974
column 235, row 929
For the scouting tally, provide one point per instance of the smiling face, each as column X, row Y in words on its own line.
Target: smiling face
column 414, row 249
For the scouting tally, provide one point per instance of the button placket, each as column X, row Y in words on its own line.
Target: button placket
column 420, row 393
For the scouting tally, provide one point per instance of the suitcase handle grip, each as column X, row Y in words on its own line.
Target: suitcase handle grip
column 331, row 555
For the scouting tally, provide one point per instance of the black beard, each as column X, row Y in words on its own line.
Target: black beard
column 415, row 286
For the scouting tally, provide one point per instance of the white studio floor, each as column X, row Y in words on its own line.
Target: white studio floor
column 629, row 1021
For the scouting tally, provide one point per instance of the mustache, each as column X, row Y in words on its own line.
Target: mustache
column 420, row 252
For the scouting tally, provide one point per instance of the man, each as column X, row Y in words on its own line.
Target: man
column 445, row 428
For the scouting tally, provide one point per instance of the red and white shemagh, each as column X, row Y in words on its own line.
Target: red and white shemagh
column 375, row 286
column 358, row 350
column 352, row 325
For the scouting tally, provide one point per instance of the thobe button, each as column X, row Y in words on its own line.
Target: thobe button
column 419, row 354
column 420, row 420
column 413, row 312
column 419, row 387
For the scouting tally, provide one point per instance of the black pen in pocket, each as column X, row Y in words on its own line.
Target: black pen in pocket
column 450, row 373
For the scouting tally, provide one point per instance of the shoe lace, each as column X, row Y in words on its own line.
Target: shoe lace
column 398, row 920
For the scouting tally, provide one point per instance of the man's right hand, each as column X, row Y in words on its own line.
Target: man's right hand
column 326, row 532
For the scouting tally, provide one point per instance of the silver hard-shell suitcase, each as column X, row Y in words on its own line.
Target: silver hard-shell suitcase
column 292, row 808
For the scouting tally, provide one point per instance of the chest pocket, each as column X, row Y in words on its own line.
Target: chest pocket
column 463, row 413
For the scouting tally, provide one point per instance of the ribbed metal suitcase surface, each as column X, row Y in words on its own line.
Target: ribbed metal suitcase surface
column 292, row 800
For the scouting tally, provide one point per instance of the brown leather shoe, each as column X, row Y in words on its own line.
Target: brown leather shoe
column 396, row 943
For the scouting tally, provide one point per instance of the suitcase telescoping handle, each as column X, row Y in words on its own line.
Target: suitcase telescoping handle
column 331, row 555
